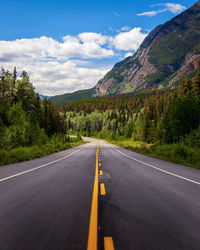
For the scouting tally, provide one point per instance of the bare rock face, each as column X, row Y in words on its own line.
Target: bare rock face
column 167, row 54
column 138, row 77
column 190, row 63
column 104, row 88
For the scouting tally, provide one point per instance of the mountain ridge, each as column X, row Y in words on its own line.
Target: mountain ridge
column 167, row 54
column 77, row 95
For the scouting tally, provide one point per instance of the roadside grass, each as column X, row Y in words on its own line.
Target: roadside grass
column 20, row 154
column 177, row 153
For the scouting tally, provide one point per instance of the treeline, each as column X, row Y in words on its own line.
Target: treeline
column 164, row 117
column 25, row 120
column 112, row 117
column 130, row 102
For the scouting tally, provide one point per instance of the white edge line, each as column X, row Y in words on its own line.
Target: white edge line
column 41, row 166
column 159, row 169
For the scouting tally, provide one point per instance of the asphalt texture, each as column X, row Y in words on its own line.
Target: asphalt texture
column 144, row 207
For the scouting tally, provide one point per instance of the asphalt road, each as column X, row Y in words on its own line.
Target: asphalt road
column 148, row 203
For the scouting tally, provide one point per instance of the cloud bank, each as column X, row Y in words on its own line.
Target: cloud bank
column 60, row 67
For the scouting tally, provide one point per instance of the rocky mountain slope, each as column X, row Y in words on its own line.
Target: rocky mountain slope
column 170, row 52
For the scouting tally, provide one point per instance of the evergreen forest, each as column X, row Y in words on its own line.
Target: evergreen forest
column 29, row 127
column 164, row 124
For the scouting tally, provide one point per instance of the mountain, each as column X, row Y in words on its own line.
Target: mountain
column 80, row 94
column 170, row 52
column 42, row 97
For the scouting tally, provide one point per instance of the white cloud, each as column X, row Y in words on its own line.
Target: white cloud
column 88, row 37
column 130, row 40
column 125, row 28
column 111, row 29
column 151, row 13
column 60, row 67
column 128, row 54
column 48, row 62
column 116, row 14
column 174, row 8
column 86, row 45
column 171, row 7
column 53, row 78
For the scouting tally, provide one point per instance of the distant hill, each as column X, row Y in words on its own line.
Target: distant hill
column 169, row 53
column 42, row 96
column 80, row 94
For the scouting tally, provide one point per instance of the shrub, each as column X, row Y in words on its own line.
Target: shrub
column 20, row 154
column 193, row 139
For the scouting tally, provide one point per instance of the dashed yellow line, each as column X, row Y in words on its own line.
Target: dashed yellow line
column 102, row 188
column 108, row 243
column 92, row 236
column 101, row 172
column 99, row 164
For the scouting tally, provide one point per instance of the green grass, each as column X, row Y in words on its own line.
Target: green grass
column 129, row 142
column 29, row 153
column 177, row 153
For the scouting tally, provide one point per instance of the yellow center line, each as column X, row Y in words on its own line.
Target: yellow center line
column 99, row 164
column 92, row 236
column 101, row 172
column 103, row 190
column 108, row 243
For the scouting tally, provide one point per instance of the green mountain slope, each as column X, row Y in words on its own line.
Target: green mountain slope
column 168, row 53
column 80, row 94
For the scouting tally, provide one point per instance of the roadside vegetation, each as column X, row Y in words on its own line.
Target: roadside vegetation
column 55, row 144
column 161, row 124
column 177, row 152
column 29, row 127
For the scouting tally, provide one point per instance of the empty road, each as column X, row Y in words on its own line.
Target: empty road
column 99, row 196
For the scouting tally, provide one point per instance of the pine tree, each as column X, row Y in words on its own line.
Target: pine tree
column 14, row 75
column 196, row 84
column 185, row 87
column 2, row 84
column 24, row 74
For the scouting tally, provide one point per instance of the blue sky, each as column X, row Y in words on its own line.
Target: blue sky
column 70, row 45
